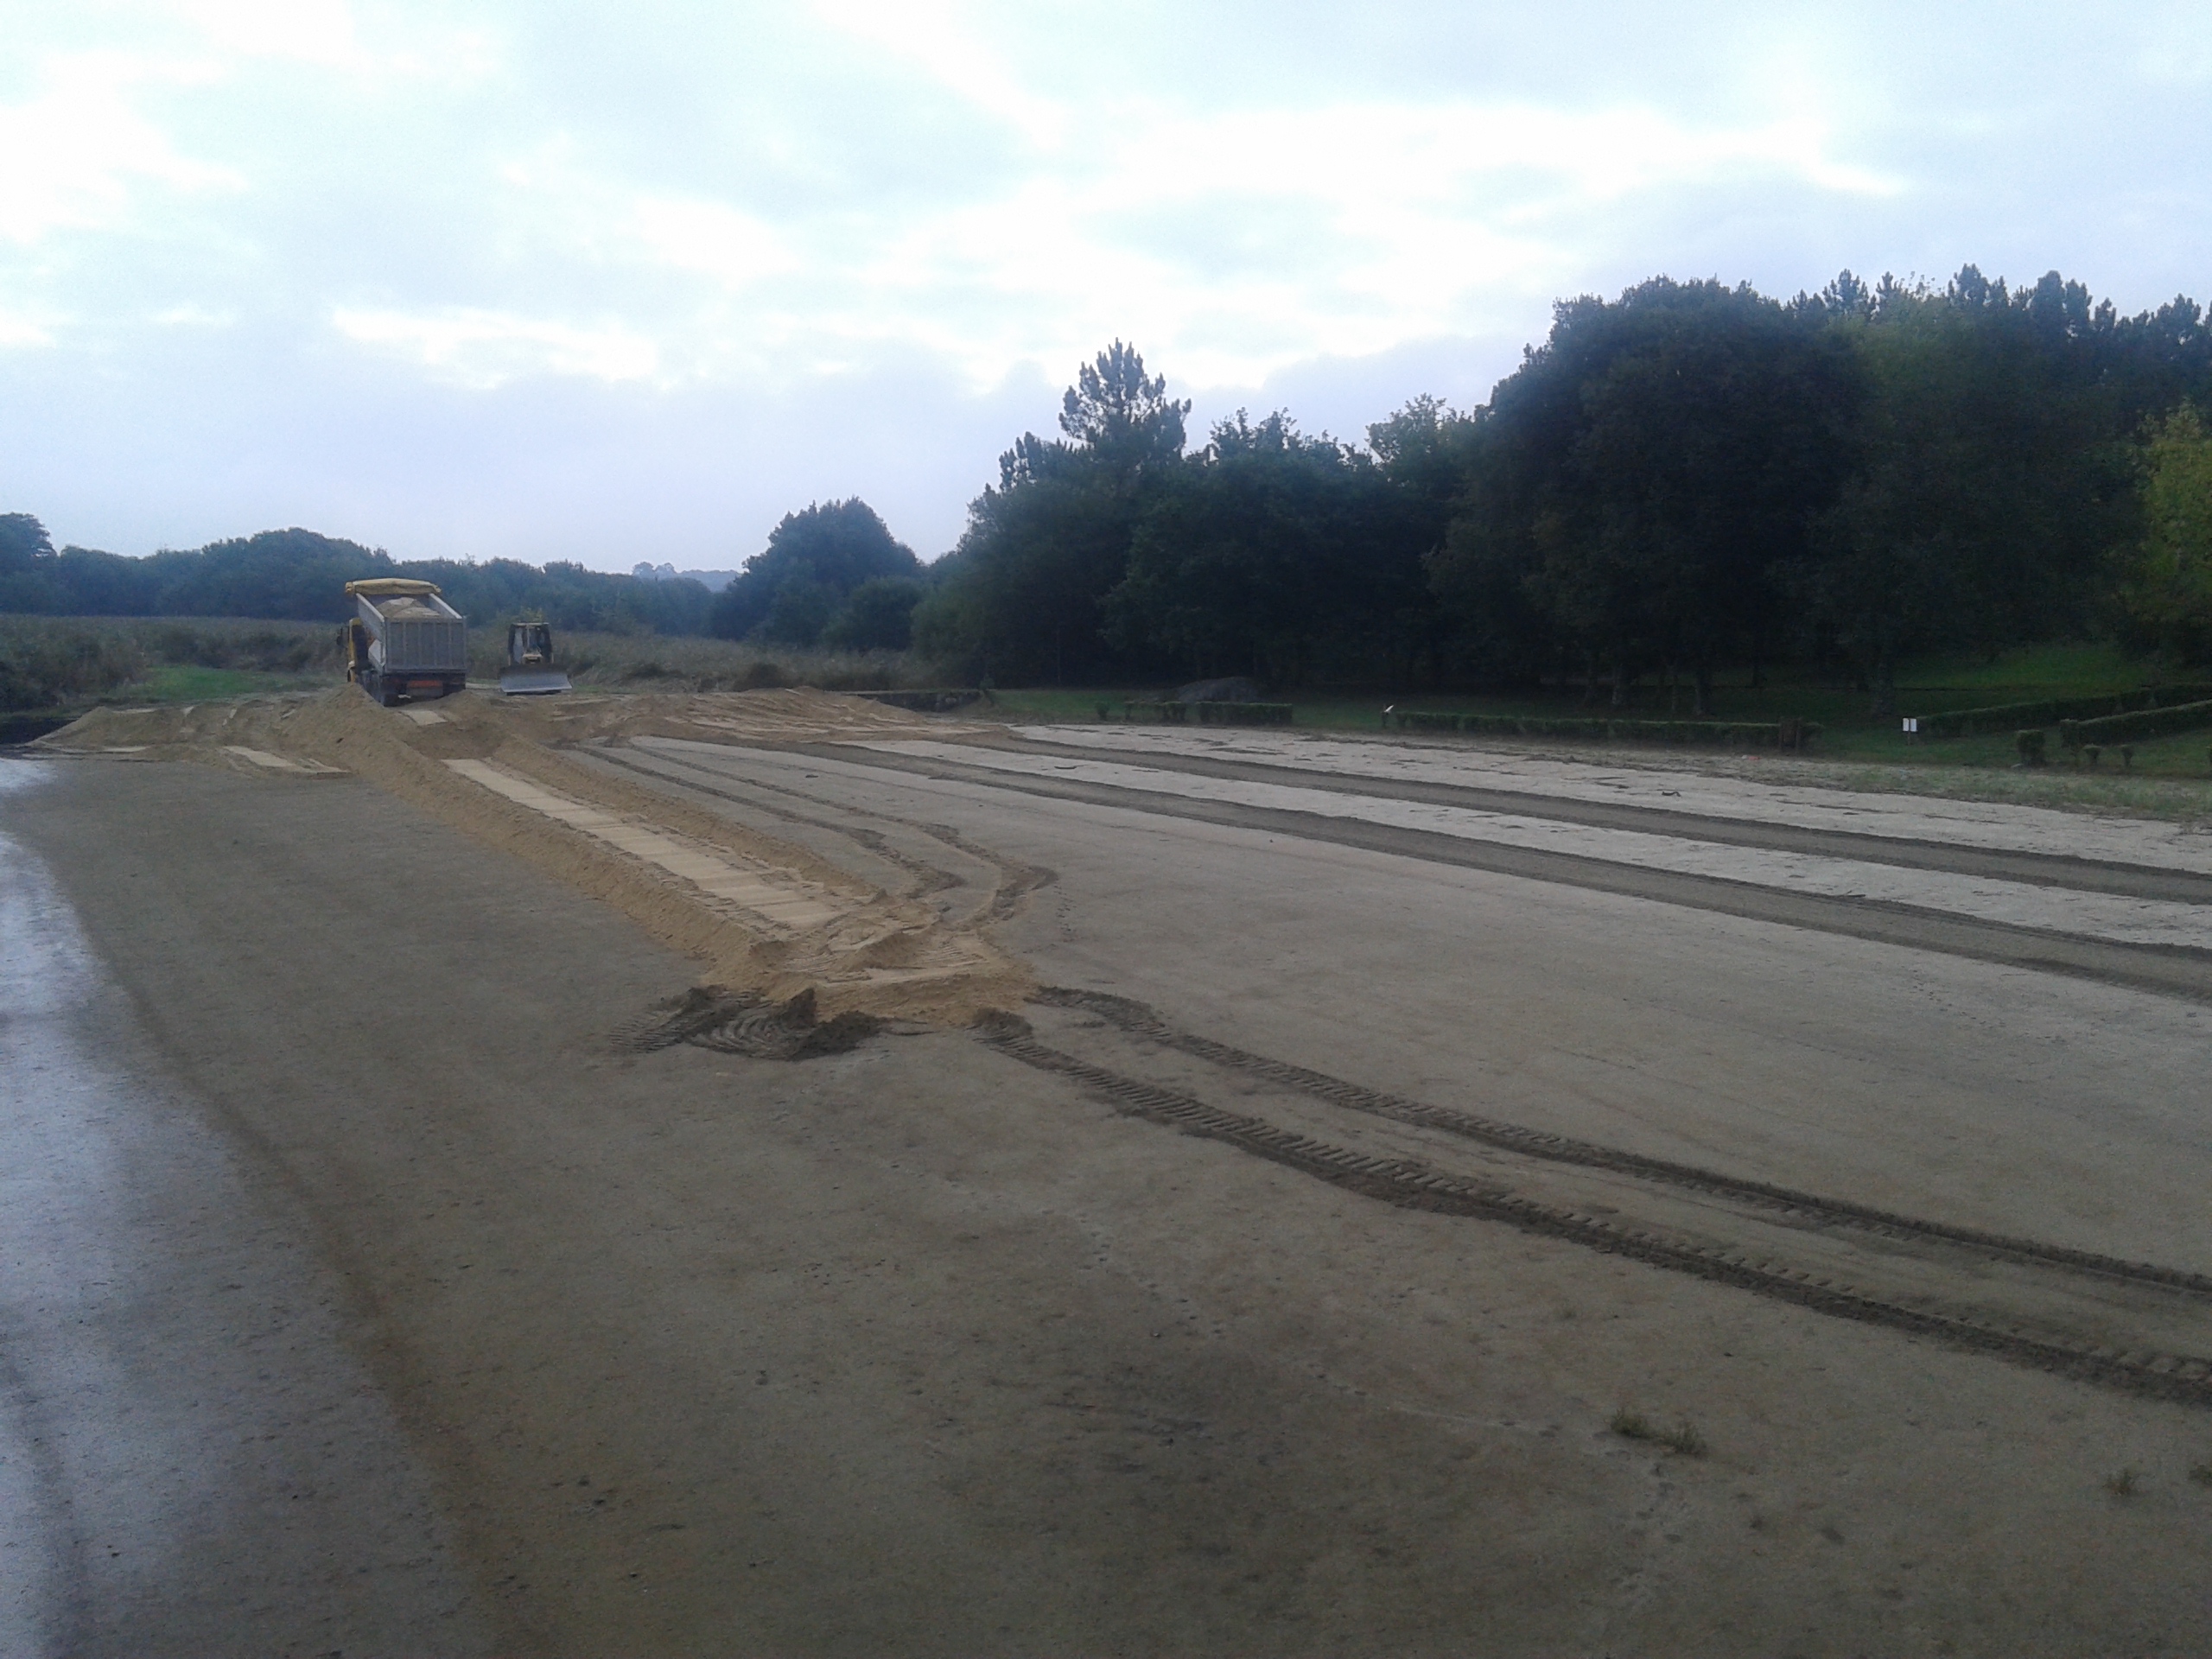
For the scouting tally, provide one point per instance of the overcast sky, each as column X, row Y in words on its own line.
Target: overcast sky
column 612, row 282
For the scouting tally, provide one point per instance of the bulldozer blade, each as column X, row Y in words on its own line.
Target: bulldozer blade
column 533, row 682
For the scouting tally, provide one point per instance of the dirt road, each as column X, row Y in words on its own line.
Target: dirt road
column 1268, row 1278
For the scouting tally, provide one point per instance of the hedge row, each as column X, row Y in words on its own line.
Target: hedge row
column 1768, row 734
column 2011, row 716
column 1210, row 714
column 2129, row 729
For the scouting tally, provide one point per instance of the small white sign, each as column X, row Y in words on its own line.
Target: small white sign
column 1912, row 723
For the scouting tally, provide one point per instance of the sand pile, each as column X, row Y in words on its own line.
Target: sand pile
column 789, row 716
column 763, row 916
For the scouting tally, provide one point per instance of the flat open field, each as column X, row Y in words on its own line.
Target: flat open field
column 764, row 1173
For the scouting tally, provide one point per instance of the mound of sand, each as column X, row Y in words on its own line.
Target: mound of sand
column 298, row 724
column 763, row 916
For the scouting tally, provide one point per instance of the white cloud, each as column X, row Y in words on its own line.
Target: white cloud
column 328, row 34
column 761, row 204
column 934, row 37
column 1371, row 225
column 481, row 350
column 308, row 31
column 193, row 316
column 736, row 249
column 2175, row 46
column 1234, row 240
column 20, row 329
column 78, row 154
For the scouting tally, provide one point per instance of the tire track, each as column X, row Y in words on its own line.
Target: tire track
column 1015, row 880
column 928, row 878
column 1407, row 1184
column 1141, row 1020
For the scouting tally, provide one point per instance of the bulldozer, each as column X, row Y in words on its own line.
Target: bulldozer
column 530, row 671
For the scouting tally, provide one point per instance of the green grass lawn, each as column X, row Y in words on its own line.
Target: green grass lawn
column 187, row 683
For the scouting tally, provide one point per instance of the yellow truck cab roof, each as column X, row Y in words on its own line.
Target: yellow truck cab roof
column 391, row 587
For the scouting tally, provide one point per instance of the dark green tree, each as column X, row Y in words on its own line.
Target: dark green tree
column 28, row 564
column 2165, row 590
column 1125, row 422
column 815, row 558
column 1023, row 595
column 1987, row 479
column 878, row 615
column 1631, row 485
column 1265, row 553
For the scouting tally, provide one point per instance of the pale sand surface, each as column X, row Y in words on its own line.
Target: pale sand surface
column 1652, row 780
column 2139, row 921
column 918, row 1347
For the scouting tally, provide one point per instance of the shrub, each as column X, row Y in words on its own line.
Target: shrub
column 1735, row 734
column 1970, row 722
column 45, row 662
column 2030, row 746
column 1243, row 713
column 2148, row 722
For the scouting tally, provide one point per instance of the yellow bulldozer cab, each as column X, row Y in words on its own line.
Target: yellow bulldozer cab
column 392, row 587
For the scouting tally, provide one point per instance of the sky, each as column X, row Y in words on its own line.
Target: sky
column 628, row 282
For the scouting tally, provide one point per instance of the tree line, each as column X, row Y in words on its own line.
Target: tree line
column 298, row 576
column 832, row 575
column 1689, row 476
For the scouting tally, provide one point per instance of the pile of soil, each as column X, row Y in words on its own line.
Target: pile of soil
column 885, row 956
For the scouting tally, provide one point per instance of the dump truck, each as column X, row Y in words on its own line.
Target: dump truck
column 531, row 671
column 404, row 641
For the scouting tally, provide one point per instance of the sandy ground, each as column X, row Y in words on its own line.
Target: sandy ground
column 2135, row 920
column 760, row 912
column 1779, row 797
column 191, row 1459
column 1267, row 1277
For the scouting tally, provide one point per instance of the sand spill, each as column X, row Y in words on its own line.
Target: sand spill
column 773, row 903
column 765, row 918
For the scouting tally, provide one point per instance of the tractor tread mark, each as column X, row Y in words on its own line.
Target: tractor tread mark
column 1405, row 1184
column 1139, row 1020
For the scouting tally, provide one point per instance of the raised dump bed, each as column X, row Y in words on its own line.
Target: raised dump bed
column 405, row 641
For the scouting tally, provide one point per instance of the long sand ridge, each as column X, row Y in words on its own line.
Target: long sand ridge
column 766, row 916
